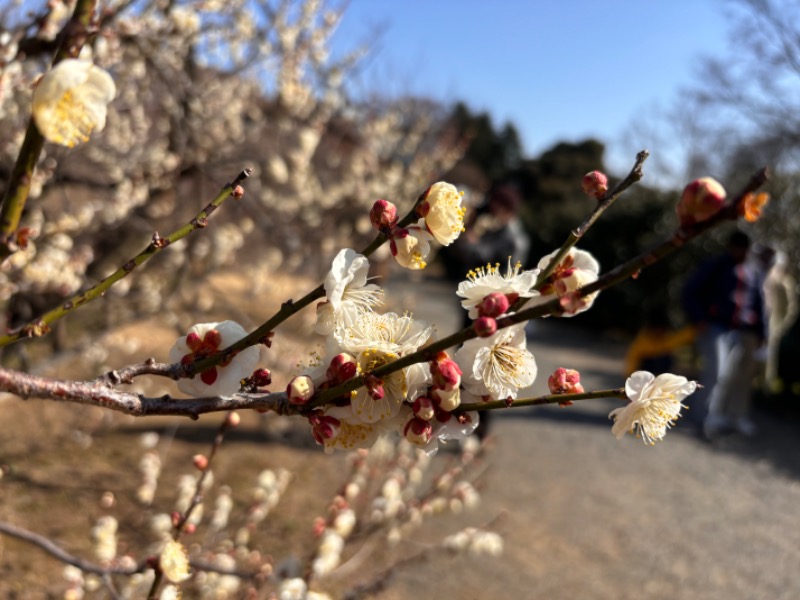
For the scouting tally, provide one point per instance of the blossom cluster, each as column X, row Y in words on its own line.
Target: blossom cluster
column 422, row 401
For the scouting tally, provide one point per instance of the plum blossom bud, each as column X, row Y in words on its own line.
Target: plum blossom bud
column 238, row 192
column 261, row 377
column 324, row 428
column 485, row 326
column 493, row 305
column 343, row 367
column 410, row 247
column 233, row 419
column 418, row 431
column 300, row 389
column 595, row 184
column 565, row 381
column 447, row 400
column 701, row 200
column 423, row 408
column 71, row 100
column 200, row 462
column 446, row 373
column 383, row 215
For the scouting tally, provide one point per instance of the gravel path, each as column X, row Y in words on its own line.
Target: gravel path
column 593, row 517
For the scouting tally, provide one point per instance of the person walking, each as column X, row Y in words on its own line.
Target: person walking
column 724, row 303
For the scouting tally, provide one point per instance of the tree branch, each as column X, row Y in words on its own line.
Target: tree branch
column 41, row 326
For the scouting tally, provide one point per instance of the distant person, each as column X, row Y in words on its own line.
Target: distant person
column 494, row 232
column 780, row 296
column 724, row 304
column 652, row 348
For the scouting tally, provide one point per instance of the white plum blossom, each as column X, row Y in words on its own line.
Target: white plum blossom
column 205, row 339
column 411, row 245
column 71, row 100
column 174, row 562
column 376, row 340
column 577, row 269
column 499, row 365
column 483, row 281
column 348, row 295
column 444, row 215
column 655, row 404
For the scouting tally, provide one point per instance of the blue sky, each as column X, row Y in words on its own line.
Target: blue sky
column 560, row 70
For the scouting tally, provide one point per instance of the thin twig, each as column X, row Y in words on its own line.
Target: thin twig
column 57, row 552
column 41, row 326
column 605, row 202
column 541, row 400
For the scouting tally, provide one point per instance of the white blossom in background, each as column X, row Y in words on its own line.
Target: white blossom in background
column 577, row 269
column 348, row 295
column 104, row 538
column 174, row 562
column 483, row 281
column 150, row 467
column 475, row 542
column 222, row 509
column 70, row 101
column 293, row 589
column 443, row 213
column 329, row 553
column 267, row 493
column 499, row 365
column 205, row 339
column 170, row 592
column 655, row 404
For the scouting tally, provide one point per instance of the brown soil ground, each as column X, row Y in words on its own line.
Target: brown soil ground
column 582, row 514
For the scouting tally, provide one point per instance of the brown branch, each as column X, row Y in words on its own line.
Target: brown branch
column 92, row 393
column 57, row 552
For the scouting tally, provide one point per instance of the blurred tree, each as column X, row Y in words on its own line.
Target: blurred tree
column 490, row 154
column 746, row 110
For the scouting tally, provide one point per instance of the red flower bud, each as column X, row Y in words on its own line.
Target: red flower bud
column 424, row 408
column 565, row 381
column 200, row 462
column 383, row 214
column 418, row 431
column 485, row 326
column 595, row 184
column 701, row 200
column 446, row 373
column 343, row 367
column 493, row 305
column 261, row 377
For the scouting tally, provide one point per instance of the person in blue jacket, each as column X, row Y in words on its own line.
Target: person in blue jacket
column 724, row 303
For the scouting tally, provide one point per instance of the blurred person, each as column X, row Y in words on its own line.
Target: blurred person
column 652, row 348
column 723, row 302
column 781, row 302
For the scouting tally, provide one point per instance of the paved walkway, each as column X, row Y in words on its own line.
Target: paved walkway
column 593, row 517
